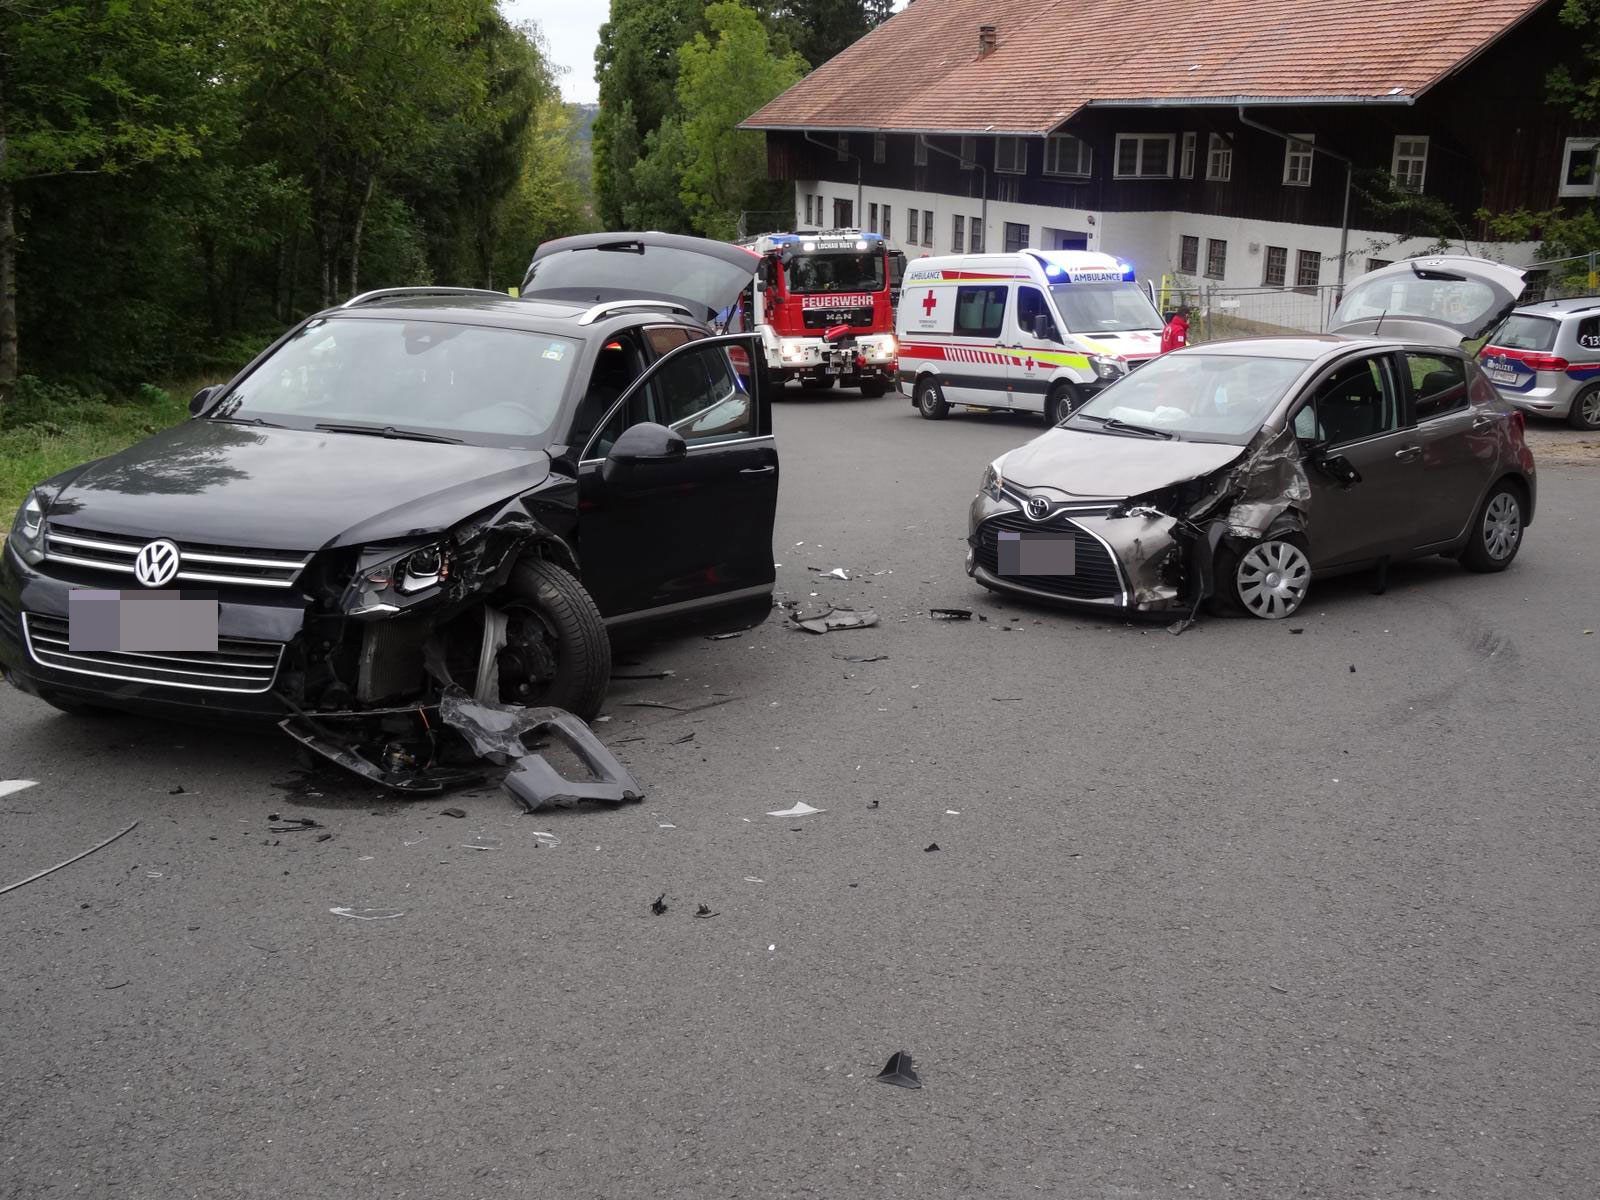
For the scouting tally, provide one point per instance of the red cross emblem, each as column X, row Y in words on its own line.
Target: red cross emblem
column 927, row 305
column 1028, row 362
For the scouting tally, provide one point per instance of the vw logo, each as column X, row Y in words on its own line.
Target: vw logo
column 156, row 563
column 1038, row 508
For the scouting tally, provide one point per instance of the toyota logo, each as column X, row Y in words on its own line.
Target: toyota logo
column 1038, row 507
column 156, row 563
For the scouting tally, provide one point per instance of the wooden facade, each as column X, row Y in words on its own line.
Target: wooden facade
column 1494, row 143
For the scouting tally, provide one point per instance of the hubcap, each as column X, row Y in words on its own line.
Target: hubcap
column 1590, row 412
column 1272, row 579
column 1502, row 525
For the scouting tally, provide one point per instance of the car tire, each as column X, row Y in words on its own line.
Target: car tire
column 873, row 388
column 1062, row 401
column 1496, row 530
column 1267, row 579
column 1585, row 410
column 573, row 632
column 930, row 399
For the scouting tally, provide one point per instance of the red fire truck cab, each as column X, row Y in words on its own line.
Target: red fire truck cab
column 823, row 305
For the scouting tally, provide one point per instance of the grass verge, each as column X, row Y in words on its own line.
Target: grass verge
column 53, row 429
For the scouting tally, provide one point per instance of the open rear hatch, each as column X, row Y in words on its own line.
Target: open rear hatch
column 706, row 277
column 1445, row 300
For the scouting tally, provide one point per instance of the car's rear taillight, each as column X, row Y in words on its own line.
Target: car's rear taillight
column 1544, row 362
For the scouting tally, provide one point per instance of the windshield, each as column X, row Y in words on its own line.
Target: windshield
column 500, row 386
column 810, row 273
column 1194, row 397
column 1522, row 332
column 1104, row 307
column 603, row 271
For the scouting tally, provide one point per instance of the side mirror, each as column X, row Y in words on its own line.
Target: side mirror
column 639, row 446
column 1044, row 328
column 198, row 402
column 1337, row 468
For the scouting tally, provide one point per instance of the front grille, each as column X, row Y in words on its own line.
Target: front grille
column 199, row 562
column 819, row 318
column 237, row 665
column 1096, row 578
column 1135, row 363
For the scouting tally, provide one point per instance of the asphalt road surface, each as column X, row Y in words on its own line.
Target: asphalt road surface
column 1264, row 910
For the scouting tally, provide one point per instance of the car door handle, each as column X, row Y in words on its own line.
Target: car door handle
column 757, row 470
column 1408, row 453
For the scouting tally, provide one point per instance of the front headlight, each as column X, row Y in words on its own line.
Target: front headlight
column 993, row 485
column 27, row 531
column 1106, row 367
column 387, row 579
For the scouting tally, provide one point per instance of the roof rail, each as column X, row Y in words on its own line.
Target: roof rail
column 591, row 315
column 395, row 293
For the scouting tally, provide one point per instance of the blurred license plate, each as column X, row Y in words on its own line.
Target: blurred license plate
column 1496, row 375
column 1038, row 553
column 153, row 622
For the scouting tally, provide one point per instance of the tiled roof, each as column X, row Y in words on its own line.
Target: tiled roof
column 920, row 70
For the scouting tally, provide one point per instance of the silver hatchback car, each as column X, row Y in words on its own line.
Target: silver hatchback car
column 1545, row 359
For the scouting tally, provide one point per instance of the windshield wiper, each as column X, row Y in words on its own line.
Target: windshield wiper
column 1125, row 426
column 388, row 431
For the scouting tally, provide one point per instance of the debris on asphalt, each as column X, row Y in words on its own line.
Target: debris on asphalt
column 930, row 847
column 379, row 759
column 862, row 658
column 1282, row 990
column 11, row 887
column 368, row 914
column 836, row 573
column 705, row 911
column 1352, row 668
column 457, row 813
column 952, row 812
column 835, row 618
column 291, row 824
column 899, row 1071
column 659, row 904
column 800, row 809
column 643, row 674
column 180, row 790
column 874, row 804
column 1004, row 699
column 324, row 837
column 1298, row 629
column 950, row 614
column 688, row 737
column 723, row 637
column 8, row 786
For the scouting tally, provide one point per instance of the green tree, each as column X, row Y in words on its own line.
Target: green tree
column 90, row 89
column 720, row 83
column 550, row 199
column 636, row 67
column 656, row 200
column 819, row 29
column 1576, row 87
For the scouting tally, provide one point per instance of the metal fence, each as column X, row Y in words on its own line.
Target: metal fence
column 1217, row 312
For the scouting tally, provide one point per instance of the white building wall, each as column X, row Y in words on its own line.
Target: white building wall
column 1151, row 242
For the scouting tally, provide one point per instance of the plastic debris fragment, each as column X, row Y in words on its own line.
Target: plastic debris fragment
column 900, row 1071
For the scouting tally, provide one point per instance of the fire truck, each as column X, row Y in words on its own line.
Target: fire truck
column 822, row 303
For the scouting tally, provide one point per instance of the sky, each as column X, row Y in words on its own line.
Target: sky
column 571, row 29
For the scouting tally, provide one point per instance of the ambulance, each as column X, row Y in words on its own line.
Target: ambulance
column 1031, row 331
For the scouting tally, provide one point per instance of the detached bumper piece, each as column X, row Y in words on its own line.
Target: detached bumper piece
column 496, row 731
column 386, row 762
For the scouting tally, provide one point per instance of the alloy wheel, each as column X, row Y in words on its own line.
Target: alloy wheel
column 1502, row 526
column 1272, row 578
column 1589, row 408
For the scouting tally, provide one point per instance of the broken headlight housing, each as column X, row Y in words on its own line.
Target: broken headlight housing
column 387, row 579
column 994, row 484
column 27, row 531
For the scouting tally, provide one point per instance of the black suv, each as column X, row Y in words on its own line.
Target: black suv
column 418, row 485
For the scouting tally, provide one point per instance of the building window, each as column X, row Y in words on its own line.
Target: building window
column 808, row 208
column 969, row 152
column 1307, row 270
column 927, row 227
column 1067, row 155
column 1580, row 167
column 1297, row 156
column 1216, row 258
column 911, row 227
column 818, row 217
column 843, row 146
column 888, row 224
column 1410, row 168
column 958, row 234
column 1016, row 237
column 1276, row 270
column 1377, row 264
column 843, row 212
column 872, row 218
column 919, row 152
column 1219, row 159
column 1186, row 162
column 1144, row 156
column 1189, row 255
column 880, row 147
column 1007, row 191
column 975, row 236
column 1010, row 156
